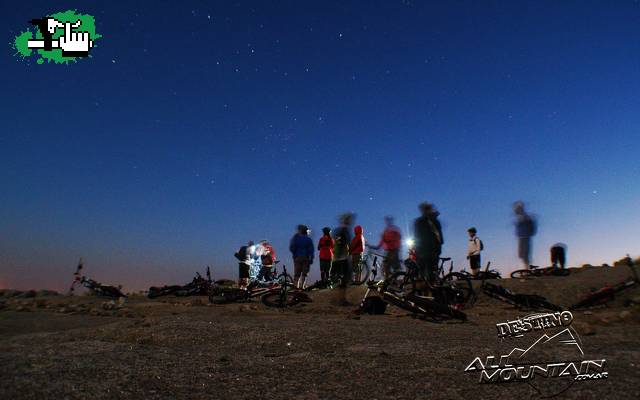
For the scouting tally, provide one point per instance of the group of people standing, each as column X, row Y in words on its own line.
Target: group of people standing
column 342, row 248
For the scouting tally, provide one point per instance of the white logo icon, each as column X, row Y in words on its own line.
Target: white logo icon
column 73, row 44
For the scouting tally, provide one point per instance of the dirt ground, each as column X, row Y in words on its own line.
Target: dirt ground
column 83, row 347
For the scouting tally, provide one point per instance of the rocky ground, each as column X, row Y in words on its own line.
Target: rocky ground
column 84, row 347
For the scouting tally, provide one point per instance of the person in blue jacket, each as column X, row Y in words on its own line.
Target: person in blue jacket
column 302, row 250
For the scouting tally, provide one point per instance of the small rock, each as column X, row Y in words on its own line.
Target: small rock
column 586, row 329
column 28, row 294
column 47, row 293
column 62, row 310
column 109, row 305
column 22, row 308
column 11, row 293
column 625, row 315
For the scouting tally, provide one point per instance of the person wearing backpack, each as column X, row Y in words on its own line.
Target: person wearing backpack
column 526, row 228
column 474, row 248
column 244, row 255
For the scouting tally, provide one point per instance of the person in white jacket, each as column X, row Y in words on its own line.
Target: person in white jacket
column 474, row 248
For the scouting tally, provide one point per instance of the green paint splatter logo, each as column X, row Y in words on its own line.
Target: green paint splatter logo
column 60, row 38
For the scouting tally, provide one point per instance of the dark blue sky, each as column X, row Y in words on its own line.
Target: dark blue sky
column 198, row 126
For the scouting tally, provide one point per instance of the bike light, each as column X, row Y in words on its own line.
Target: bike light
column 410, row 243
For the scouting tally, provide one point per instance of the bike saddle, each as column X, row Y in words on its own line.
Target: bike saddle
column 445, row 258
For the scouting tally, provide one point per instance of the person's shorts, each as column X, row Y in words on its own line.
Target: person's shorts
column 524, row 246
column 243, row 271
column 355, row 261
column 325, row 265
column 474, row 261
column 301, row 266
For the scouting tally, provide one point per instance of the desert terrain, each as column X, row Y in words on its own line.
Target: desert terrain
column 85, row 347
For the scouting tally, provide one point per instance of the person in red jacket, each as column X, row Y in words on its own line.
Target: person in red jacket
column 268, row 258
column 391, row 241
column 356, row 248
column 325, row 247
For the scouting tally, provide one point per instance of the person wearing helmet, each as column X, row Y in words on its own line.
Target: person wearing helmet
column 302, row 250
column 325, row 249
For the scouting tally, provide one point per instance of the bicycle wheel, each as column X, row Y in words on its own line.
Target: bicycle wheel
column 360, row 273
column 400, row 283
column 280, row 299
column 521, row 274
column 462, row 287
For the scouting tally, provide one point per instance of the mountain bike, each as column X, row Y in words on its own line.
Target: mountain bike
column 534, row 271
column 607, row 293
column 360, row 272
column 95, row 287
column 421, row 306
column 522, row 301
column 285, row 295
column 455, row 290
column 481, row 275
column 199, row 286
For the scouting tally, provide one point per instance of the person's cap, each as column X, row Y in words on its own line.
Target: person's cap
column 326, row 230
column 472, row 229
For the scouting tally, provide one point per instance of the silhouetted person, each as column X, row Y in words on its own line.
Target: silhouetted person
column 429, row 241
column 302, row 250
column 558, row 255
column 340, row 269
column 525, row 230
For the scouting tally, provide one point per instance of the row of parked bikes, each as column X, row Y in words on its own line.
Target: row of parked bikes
column 445, row 296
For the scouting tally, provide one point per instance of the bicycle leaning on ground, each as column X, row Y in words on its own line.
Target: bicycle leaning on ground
column 535, row 271
column 450, row 289
column 95, row 287
column 285, row 294
column 605, row 294
column 410, row 298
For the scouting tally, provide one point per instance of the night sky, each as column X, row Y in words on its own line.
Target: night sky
column 197, row 126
